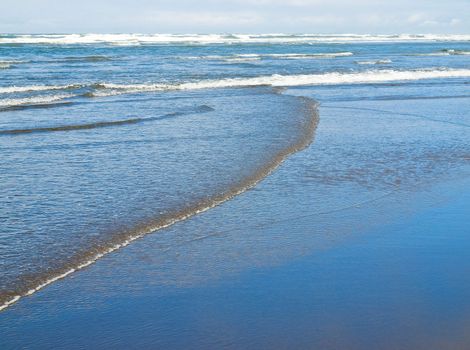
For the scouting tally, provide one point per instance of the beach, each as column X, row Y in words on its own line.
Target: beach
column 294, row 197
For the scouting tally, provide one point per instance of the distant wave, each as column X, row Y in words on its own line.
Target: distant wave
column 385, row 61
column 307, row 55
column 97, row 58
column 139, row 39
column 455, row 52
column 5, row 64
column 240, row 59
column 103, row 124
column 445, row 52
column 259, row 56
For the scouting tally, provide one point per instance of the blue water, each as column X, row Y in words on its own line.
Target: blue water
column 105, row 141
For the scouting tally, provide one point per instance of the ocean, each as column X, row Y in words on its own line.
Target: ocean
column 106, row 139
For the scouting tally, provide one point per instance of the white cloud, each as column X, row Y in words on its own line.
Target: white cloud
column 333, row 16
column 210, row 19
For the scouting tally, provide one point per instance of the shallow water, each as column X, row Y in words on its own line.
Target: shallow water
column 369, row 251
column 62, row 204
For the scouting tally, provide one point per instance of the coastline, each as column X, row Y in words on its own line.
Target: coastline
column 338, row 257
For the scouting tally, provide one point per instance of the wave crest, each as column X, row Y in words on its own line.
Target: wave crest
column 384, row 61
column 32, row 88
column 13, row 103
column 103, row 89
column 259, row 56
column 334, row 78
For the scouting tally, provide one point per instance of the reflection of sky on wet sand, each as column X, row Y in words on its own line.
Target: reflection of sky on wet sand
column 358, row 241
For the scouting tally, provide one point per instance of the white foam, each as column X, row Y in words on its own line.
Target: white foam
column 373, row 76
column 12, row 61
column 384, row 61
column 138, row 39
column 5, row 64
column 308, row 55
column 258, row 56
column 241, row 59
column 450, row 52
column 458, row 52
column 36, row 100
column 334, row 78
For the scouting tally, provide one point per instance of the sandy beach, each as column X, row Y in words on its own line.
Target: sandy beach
column 358, row 241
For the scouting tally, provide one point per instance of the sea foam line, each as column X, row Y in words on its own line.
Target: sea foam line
column 383, row 61
column 445, row 52
column 276, row 80
column 258, row 56
column 307, row 130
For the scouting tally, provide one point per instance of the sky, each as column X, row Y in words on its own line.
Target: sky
column 235, row 16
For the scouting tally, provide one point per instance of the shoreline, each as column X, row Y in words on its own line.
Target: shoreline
column 305, row 138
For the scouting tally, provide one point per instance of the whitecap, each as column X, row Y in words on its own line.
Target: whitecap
column 31, row 101
column 384, row 61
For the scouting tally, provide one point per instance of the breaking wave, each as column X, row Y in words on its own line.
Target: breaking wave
column 13, row 103
column 455, row 52
column 371, row 76
column 259, row 56
column 5, row 64
column 385, row 61
column 276, row 80
column 303, row 56
column 445, row 52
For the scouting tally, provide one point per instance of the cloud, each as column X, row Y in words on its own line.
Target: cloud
column 243, row 16
column 202, row 18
